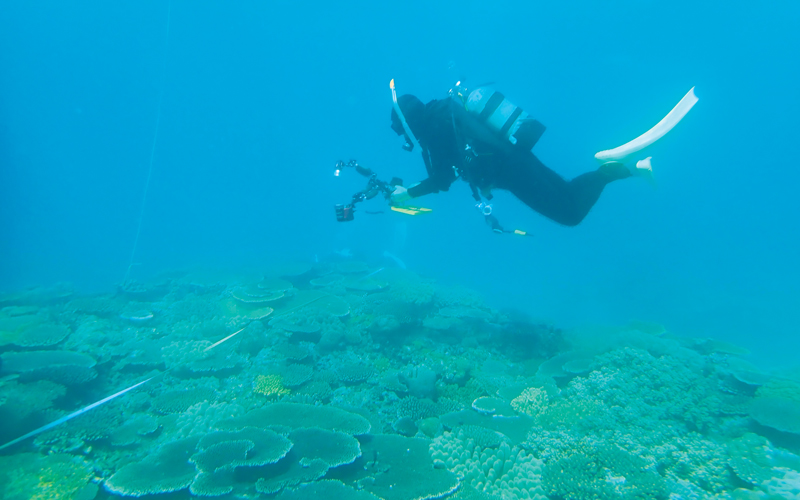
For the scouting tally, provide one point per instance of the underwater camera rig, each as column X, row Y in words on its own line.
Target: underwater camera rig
column 346, row 212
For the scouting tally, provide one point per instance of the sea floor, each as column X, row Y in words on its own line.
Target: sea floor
column 342, row 380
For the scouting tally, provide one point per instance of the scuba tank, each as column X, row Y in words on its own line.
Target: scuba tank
column 504, row 118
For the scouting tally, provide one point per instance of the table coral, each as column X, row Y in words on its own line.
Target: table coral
column 165, row 471
column 296, row 415
column 415, row 408
column 333, row 448
column 63, row 367
column 354, row 373
column 394, row 460
column 18, row 401
column 179, row 401
column 329, row 489
column 777, row 405
column 298, row 472
column 42, row 335
column 222, row 455
column 267, row 446
column 132, row 431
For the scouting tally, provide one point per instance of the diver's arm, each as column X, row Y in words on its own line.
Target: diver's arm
column 427, row 186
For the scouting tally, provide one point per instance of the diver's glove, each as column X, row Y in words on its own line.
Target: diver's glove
column 400, row 195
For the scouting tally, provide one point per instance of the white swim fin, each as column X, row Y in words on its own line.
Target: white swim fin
column 652, row 135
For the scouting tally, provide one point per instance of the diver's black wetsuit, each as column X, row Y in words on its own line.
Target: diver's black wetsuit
column 444, row 133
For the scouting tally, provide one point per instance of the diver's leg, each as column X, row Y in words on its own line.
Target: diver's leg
column 565, row 202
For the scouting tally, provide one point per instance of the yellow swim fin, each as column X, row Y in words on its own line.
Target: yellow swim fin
column 411, row 210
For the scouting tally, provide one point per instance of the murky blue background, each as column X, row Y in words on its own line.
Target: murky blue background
column 261, row 98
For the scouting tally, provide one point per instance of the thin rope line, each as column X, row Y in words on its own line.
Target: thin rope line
column 153, row 147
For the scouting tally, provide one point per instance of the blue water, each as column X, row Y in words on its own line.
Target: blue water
column 260, row 99
column 149, row 137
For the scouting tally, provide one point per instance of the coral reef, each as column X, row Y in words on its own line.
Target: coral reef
column 342, row 380
column 51, row 477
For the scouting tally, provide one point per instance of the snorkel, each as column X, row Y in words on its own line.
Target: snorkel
column 406, row 128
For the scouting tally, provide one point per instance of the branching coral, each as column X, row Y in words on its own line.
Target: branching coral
column 532, row 401
column 270, row 385
column 51, row 477
column 501, row 470
column 644, row 390
column 750, row 458
column 601, row 471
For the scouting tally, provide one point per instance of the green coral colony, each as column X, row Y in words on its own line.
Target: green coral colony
column 341, row 381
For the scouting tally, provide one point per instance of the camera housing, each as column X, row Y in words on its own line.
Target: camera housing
column 344, row 213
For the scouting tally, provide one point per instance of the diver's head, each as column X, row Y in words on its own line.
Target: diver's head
column 413, row 110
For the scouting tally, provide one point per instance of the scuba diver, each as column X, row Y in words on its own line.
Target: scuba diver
column 483, row 139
